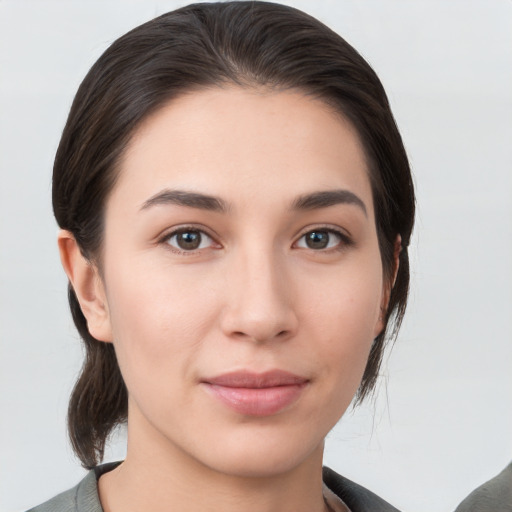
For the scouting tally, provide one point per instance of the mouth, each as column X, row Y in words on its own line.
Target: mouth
column 256, row 394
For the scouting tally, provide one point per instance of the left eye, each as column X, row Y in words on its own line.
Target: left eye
column 319, row 239
column 189, row 240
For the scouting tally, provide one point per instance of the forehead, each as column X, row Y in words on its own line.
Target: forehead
column 241, row 142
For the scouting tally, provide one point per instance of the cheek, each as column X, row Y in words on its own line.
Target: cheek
column 159, row 319
column 338, row 333
column 346, row 301
column 343, row 316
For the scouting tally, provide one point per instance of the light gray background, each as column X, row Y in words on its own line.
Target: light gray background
column 442, row 421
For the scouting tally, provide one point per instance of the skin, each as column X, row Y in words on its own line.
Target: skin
column 254, row 296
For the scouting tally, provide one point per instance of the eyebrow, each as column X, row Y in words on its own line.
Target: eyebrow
column 313, row 201
column 324, row 199
column 184, row 198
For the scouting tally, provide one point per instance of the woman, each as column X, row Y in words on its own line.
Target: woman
column 235, row 205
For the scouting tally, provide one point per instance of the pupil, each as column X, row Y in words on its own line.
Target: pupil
column 317, row 240
column 189, row 240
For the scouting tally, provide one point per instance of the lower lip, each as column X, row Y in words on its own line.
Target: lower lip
column 257, row 401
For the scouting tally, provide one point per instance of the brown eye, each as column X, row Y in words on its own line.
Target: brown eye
column 319, row 239
column 189, row 240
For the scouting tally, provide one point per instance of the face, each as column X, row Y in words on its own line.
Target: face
column 242, row 278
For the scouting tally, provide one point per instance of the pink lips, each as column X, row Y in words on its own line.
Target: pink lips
column 257, row 394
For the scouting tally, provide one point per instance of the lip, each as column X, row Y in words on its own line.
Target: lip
column 257, row 394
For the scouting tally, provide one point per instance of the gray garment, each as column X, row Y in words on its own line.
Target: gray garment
column 357, row 498
column 81, row 498
column 84, row 497
column 492, row 496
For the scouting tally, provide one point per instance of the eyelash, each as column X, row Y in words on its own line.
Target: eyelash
column 344, row 240
column 184, row 229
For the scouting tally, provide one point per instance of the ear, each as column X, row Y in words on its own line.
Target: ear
column 388, row 287
column 88, row 286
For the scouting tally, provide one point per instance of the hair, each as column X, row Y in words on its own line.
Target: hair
column 249, row 44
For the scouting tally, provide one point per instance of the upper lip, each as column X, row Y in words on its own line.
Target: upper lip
column 248, row 379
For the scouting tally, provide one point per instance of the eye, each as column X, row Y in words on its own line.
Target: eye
column 321, row 239
column 188, row 240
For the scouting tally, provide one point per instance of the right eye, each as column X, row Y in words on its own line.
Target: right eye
column 188, row 240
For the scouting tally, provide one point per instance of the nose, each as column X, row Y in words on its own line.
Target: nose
column 259, row 304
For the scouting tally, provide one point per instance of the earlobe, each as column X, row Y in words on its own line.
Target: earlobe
column 88, row 286
column 388, row 287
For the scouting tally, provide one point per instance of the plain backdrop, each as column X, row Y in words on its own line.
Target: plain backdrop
column 441, row 423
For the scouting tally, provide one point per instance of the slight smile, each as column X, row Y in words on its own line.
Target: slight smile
column 257, row 394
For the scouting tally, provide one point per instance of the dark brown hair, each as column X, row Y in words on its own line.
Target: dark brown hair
column 202, row 45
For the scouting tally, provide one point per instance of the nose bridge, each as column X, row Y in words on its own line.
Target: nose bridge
column 260, row 306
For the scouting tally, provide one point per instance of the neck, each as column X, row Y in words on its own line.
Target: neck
column 158, row 477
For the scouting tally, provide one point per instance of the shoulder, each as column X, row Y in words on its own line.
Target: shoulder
column 81, row 498
column 492, row 496
column 66, row 501
column 356, row 497
column 63, row 502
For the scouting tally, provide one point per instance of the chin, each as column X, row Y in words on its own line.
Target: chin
column 258, row 467
column 263, row 456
